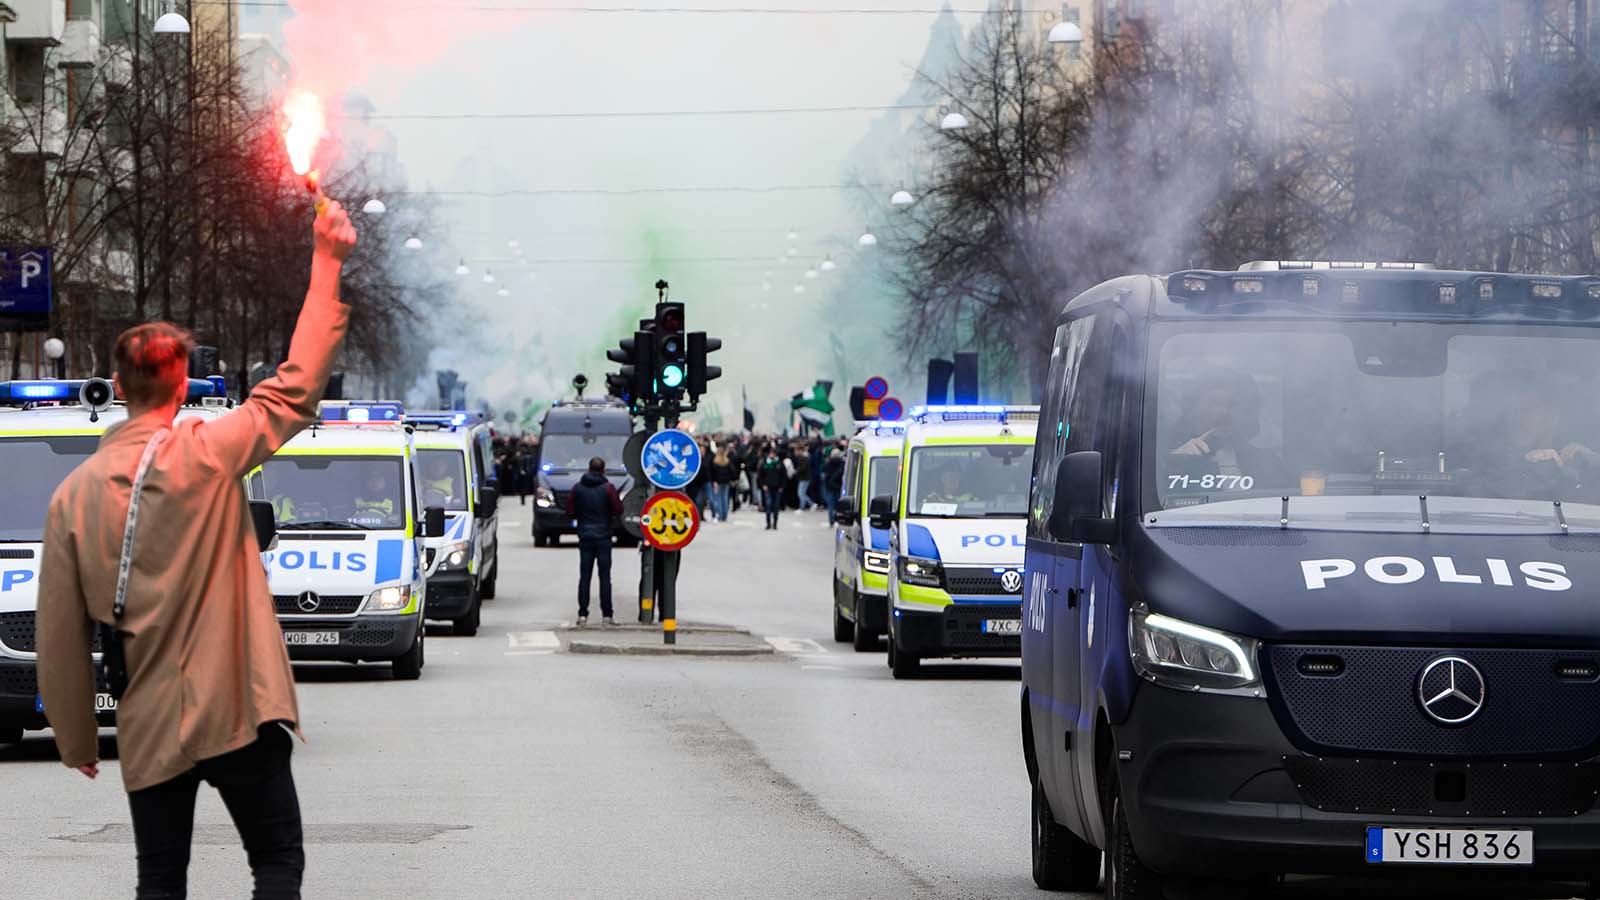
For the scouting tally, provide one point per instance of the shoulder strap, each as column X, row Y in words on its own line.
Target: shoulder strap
column 121, row 602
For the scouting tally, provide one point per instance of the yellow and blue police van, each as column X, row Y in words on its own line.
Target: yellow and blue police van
column 957, row 534
column 861, row 551
column 455, row 471
column 347, row 571
column 47, row 429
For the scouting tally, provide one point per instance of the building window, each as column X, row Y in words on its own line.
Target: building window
column 80, row 9
column 27, row 73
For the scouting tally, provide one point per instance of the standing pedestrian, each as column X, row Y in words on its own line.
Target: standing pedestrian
column 816, row 458
column 209, row 693
column 833, row 483
column 593, row 503
column 802, row 477
column 773, row 476
column 723, row 474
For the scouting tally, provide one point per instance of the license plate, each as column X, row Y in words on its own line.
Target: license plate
column 1454, row 846
column 314, row 638
column 105, row 703
column 1002, row 626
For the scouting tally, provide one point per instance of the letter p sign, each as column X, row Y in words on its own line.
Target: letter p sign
column 1318, row 572
column 31, row 267
column 14, row 577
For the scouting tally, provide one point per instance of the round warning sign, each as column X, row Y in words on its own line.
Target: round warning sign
column 877, row 387
column 890, row 409
column 670, row 521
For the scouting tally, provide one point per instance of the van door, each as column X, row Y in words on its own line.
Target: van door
column 847, row 538
column 483, row 474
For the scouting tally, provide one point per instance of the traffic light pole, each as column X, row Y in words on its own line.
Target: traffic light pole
column 647, row 559
column 669, row 597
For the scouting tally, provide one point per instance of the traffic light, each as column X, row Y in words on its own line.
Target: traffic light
column 671, row 358
column 632, row 382
column 701, row 346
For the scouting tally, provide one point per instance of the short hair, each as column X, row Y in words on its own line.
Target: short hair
column 152, row 360
column 597, row 465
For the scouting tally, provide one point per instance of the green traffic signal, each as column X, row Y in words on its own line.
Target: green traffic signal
column 671, row 376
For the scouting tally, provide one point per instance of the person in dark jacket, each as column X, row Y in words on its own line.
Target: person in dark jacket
column 833, row 483
column 724, row 471
column 773, row 475
column 593, row 503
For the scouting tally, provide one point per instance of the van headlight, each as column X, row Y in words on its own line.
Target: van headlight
column 454, row 556
column 1175, row 654
column 873, row 561
column 917, row 570
column 389, row 599
column 544, row 498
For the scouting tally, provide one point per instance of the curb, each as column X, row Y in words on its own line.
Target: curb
column 635, row 628
column 592, row 647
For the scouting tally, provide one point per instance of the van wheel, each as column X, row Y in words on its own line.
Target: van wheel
column 905, row 665
column 1062, row 861
column 10, row 735
column 467, row 625
column 539, row 539
column 843, row 631
column 866, row 639
column 1127, row 877
column 486, row 590
column 409, row 666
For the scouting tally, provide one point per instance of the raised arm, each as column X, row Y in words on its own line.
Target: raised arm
column 281, row 406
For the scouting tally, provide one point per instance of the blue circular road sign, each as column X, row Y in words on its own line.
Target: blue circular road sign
column 671, row 459
column 877, row 387
column 890, row 409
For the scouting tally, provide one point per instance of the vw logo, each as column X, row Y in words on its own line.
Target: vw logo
column 308, row 602
column 1451, row 690
column 1011, row 581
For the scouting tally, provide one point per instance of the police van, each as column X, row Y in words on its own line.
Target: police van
column 571, row 434
column 1311, row 576
column 455, row 471
column 861, row 552
column 48, row 428
column 347, row 572
column 955, row 523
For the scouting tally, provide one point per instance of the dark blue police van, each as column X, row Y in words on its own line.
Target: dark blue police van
column 1311, row 578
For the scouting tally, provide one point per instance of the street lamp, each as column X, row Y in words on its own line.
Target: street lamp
column 171, row 23
column 1065, row 33
column 413, row 243
column 505, row 292
column 954, row 122
column 811, row 274
column 868, row 239
column 374, row 207
column 488, row 277
column 462, row 269
column 828, row 264
column 794, row 236
column 56, row 350
column 902, row 198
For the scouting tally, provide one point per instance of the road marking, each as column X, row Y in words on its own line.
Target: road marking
column 824, row 668
column 533, row 640
column 796, row 646
column 529, row 652
column 512, row 524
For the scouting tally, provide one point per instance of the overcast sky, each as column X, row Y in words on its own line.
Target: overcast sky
column 562, row 314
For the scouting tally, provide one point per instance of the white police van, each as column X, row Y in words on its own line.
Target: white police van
column 47, row 429
column 956, row 533
column 347, row 571
column 455, row 470
column 861, row 552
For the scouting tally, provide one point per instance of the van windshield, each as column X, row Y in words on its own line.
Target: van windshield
column 31, row 468
column 572, row 452
column 334, row 492
column 1355, row 421
column 970, row 481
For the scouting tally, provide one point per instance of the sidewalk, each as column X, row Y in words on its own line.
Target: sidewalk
column 633, row 639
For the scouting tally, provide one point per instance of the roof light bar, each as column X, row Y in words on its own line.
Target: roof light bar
column 362, row 412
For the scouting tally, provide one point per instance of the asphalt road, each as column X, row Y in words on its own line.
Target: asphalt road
column 513, row 769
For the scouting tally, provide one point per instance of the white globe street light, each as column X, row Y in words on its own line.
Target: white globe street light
column 793, row 252
column 954, row 122
column 902, row 198
column 799, row 289
column 513, row 243
column 172, row 23
column 413, row 243
column 868, row 239
column 374, row 207
column 1065, row 33
column 828, row 265
column 488, row 277
column 505, row 292
column 55, row 348
column 811, row 274
column 794, row 236
column 462, row 269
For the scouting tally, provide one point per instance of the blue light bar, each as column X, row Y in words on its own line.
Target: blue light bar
column 360, row 413
column 445, row 418
column 38, row 391
column 971, row 413
column 207, row 387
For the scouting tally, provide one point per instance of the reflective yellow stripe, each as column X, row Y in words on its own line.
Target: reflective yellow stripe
column 55, row 432
column 669, row 624
column 1014, row 440
column 342, row 451
column 925, row 596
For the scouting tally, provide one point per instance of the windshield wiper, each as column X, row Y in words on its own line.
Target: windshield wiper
column 322, row 525
column 1561, row 517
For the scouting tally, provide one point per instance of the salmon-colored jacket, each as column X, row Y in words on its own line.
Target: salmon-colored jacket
column 206, row 660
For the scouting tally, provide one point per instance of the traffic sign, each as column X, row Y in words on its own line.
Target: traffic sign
column 890, row 410
column 25, row 293
column 670, row 521
column 671, row 459
column 877, row 387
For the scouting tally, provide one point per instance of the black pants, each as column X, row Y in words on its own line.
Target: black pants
column 771, row 503
column 257, row 788
column 591, row 551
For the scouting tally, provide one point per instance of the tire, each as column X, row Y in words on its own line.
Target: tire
column 1062, row 861
column 865, row 639
column 539, row 540
column 905, row 665
column 10, row 735
column 409, row 666
column 843, row 631
column 486, row 589
column 1127, row 877
column 467, row 625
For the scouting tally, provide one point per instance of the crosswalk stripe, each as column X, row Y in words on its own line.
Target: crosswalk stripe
column 533, row 640
column 796, row 646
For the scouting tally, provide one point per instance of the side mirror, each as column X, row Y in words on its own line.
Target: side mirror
column 1080, row 481
column 880, row 512
column 433, row 523
column 845, row 512
column 488, row 501
column 265, row 522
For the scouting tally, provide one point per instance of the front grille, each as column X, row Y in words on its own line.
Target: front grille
column 19, row 681
column 1464, row 789
column 441, row 591
column 1372, row 706
column 1233, row 537
column 963, row 627
column 374, row 636
column 17, row 631
column 327, row 605
column 979, row 582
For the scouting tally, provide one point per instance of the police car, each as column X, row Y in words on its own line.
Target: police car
column 455, row 471
column 48, row 428
column 347, row 571
column 1311, row 579
column 861, row 552
column 955, row 523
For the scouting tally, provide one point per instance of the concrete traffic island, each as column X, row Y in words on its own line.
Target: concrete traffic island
column 633, row 639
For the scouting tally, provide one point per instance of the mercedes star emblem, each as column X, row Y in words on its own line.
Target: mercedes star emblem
column 1451, row 690
column 309, row 601
column 1011, row 581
